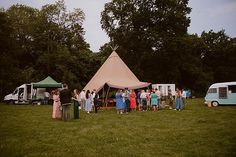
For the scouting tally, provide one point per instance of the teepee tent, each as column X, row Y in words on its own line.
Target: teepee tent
column 116, row 74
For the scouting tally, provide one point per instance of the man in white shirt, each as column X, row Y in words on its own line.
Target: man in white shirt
column 95, row 100
column 83, row 99
column 46, row 97
column 184, row 95
column 143, row 97
column 93, row 96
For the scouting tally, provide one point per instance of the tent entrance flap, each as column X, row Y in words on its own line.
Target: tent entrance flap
column 107, row 96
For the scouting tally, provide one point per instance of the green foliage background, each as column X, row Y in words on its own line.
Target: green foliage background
column 151, row 35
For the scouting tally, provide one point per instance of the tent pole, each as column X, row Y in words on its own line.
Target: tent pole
column 107, row 95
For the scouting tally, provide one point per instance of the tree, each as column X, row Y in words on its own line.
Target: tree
column 59, row 29
column 144, row 31
column 23, row 24
column 220, row 55
column 65, row 53
column 8, row 60
column 49, row 41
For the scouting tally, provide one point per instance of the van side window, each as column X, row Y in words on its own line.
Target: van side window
column 212, row 90
column 222, row 92
column 232, row 88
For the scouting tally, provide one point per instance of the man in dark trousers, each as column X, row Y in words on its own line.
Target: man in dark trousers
column 96, row 100
column 65, row 98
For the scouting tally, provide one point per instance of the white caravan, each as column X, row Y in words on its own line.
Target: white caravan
column 164, row 88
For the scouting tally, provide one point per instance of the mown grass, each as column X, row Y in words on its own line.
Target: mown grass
column 27, row 130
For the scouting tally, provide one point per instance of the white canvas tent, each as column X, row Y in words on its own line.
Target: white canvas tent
column 116, row 74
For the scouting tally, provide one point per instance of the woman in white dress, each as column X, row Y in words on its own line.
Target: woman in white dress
column 88, row 105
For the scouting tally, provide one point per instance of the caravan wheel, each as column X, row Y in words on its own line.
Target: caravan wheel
column 215, row 103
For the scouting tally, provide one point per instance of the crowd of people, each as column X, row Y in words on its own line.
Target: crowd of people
column 128, row 100
column 81, row 100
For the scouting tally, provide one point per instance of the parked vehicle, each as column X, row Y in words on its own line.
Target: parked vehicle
column 33, row 92
column 25, row 94
column 221, row 94
column 164, row 88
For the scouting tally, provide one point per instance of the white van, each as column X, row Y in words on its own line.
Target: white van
column 25, row 94
column 221, row 94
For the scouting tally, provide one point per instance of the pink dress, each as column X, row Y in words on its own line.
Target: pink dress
column 56, row 113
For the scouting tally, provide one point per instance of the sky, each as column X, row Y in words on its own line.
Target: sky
column 205, row 15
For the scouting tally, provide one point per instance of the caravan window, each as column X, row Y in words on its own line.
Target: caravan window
column 212, row 90
column 232, row 88
column 222, row 92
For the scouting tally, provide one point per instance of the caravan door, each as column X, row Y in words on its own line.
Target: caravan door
column 232, row 94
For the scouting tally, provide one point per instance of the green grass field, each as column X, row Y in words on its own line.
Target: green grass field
column 27, row 130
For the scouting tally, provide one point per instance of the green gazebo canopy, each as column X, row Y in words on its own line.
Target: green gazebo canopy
column 47, row 83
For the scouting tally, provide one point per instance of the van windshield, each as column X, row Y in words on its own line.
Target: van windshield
column 212, row 90
column 15, row 91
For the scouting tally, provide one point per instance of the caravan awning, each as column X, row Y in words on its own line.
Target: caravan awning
column 47, row 83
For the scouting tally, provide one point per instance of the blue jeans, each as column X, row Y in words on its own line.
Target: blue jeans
column 46, row 100
column 178, row 103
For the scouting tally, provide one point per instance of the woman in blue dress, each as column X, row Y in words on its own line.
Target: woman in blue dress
column 119, row 102
column 154, row 101
column 125, row 105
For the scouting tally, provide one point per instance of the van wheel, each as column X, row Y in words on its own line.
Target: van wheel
column 215, row 103
column 11, row 102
